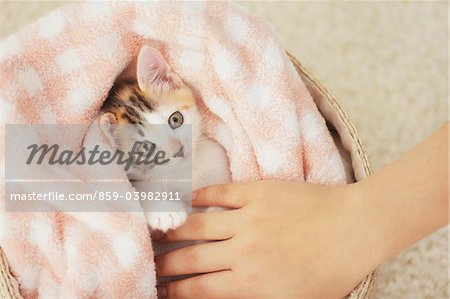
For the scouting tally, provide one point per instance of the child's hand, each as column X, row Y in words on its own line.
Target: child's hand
column 280, row 240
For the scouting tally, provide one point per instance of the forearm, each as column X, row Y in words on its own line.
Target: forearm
column 408, row 199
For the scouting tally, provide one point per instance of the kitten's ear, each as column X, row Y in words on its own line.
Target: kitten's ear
column 108, row 121
column 152, row 68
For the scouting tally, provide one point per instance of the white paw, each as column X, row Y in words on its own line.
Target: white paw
column 165, row 220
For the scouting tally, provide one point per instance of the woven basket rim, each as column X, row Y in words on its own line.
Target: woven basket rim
column 9, row 287
column 365, row 288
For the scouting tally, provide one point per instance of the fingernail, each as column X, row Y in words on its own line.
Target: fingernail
column 162, row 292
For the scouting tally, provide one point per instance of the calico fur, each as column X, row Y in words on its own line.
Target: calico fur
column 149, row 103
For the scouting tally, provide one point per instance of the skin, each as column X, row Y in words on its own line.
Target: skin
column 297, row 240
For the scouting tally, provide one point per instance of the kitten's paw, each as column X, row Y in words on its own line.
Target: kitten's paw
column 165, row 220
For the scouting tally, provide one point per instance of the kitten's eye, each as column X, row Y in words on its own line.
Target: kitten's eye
column 176, row 120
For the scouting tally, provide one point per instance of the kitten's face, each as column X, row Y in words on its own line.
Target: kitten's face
column 159, row 106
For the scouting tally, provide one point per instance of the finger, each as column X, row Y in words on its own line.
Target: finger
column 233, row 196
column 209, row 226
column 200, row 258
column 211, row 285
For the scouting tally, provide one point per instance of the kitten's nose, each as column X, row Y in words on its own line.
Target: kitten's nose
column 180, row 152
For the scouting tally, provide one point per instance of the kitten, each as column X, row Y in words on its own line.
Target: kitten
column 160, row 97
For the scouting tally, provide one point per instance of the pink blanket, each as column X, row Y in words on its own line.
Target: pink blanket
column 59, row 70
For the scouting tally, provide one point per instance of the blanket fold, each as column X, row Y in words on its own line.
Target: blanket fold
column 59, row 70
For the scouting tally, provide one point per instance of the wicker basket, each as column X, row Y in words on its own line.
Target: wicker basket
column 349, row 144
column 347, row 139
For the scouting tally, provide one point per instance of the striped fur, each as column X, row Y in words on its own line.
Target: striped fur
column 127, row 102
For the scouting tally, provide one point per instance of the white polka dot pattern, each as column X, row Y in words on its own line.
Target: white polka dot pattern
column 9, row 47
column 226, row 65
column 30, row 80
column 69, row 61
column 52, row 25
column 236, row 28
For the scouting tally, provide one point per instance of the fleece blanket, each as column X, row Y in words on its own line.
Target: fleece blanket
column 59, row 70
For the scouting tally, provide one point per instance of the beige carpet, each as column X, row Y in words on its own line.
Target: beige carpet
column 387, row 62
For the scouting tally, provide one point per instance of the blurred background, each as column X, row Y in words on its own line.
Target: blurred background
column 387, row 62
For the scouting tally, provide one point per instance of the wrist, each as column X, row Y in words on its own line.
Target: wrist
column 384, row 224
column 369, row 226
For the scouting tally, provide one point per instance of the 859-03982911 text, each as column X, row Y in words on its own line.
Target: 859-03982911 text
column 97, row 195
column 54, row 176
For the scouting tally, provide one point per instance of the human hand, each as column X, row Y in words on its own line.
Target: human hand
column 279, row 240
